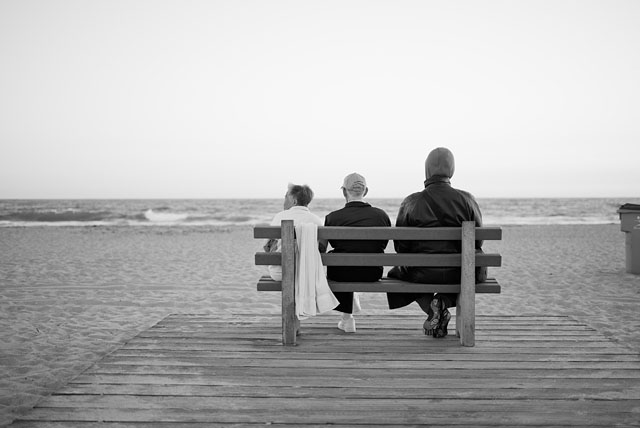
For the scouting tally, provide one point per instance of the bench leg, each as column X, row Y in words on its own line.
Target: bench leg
column 290, row 322
column 467, row 298
column 289, row 327
column 289, row 318
column 467, row 322
column 458, row 317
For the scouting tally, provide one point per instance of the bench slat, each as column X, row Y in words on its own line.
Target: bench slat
column 388, row 259
column 387, row 233
column 388, row 285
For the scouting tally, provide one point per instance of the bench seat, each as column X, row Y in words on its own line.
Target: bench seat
column 265, row 283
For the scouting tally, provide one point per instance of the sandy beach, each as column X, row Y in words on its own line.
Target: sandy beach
column 69, row 296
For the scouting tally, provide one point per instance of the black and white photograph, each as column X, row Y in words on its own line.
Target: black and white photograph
column 350, row 213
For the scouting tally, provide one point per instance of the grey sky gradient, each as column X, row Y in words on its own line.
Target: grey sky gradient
column 162, row 99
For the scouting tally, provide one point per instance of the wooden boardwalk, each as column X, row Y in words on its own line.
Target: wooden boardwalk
column 203, row 371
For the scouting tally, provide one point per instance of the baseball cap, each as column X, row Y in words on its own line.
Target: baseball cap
column 354, row 182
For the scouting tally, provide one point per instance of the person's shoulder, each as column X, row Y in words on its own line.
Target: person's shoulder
column 415, row 195
column 379, row 210
column 412, row 198
column 336, row 212
column 278, row 218
column 316, row 219
column 383, row 216
column 465, row 194
column 471, row 202
column 332, row 217
column 305, row 214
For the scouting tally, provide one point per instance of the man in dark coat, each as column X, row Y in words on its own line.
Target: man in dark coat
column 356, row 213
column 438, row 205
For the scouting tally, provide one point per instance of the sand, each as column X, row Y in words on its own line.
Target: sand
column 69, row 296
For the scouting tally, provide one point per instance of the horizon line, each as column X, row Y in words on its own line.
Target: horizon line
column 280, row 197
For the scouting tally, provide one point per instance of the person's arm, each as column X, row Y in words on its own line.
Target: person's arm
column 323, row 243
column 477, row 215
column 387, row 223
column 270, row 245
column 401, row 221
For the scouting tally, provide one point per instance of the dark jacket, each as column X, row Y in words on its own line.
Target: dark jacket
column 438, row 205
column 356, row 214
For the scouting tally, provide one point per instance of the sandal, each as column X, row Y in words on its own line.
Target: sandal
column 441, row 330
column 433, row 319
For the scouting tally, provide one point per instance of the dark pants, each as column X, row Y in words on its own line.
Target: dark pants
column 351, row 274
column 427, row 276
column 346, row 302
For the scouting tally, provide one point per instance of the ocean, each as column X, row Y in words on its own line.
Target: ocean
column 249, row 212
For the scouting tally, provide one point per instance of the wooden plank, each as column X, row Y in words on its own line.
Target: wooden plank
column 302, row 380
column 210, row 424
column 289, row 318
column 132, row 355
column 378, row 405
column 578, row 389
column 154, row 365
column 388, row 285
column 386, row 233
column 387, row 259
column 339, row 343
column 386, row 318
column 211, row 333
column 411, row 324
column 315, row 348
column 380, row 412
column 466, row 307
column 407, row 336
column 397, row 369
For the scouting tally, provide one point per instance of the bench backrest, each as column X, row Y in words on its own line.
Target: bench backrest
column 387, row 233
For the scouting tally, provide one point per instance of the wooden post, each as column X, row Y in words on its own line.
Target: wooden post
column 289, row 318
column 458, row 316
column 467, row 296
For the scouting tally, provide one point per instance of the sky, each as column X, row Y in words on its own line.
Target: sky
column 237, row 98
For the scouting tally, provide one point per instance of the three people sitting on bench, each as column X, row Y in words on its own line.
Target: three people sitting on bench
column 438, row 205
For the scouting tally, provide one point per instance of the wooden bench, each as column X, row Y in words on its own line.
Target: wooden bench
column 467, row 260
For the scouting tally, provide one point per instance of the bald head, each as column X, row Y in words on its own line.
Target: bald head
column 439, row 162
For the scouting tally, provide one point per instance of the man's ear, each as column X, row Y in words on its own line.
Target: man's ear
column 344, row 192
column 366, row 190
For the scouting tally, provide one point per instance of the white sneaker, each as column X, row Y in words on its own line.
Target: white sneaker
column 348, row 325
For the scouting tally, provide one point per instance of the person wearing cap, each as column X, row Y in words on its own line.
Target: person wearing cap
column 356, row 213
column 438, row 205
column 296, row 208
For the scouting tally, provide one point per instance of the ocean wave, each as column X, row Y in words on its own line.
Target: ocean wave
column 164, row 216
column 149, row 217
